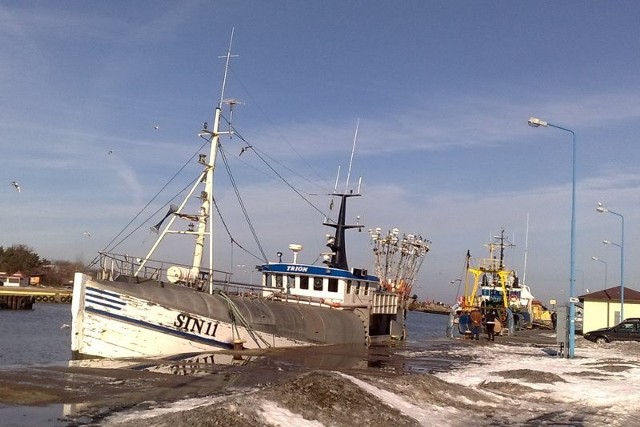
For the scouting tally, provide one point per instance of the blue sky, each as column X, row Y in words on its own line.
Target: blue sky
column 442, row 90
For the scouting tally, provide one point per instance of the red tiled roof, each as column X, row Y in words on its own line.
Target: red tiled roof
column 611, row 294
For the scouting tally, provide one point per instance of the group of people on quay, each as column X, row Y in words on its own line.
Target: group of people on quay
column 494, row 321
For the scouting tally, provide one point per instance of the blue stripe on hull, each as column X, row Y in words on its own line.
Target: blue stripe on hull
column 104, row 298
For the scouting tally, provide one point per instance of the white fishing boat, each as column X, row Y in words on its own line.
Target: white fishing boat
column 132, row 306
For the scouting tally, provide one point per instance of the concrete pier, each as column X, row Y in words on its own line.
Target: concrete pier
column 23, row 298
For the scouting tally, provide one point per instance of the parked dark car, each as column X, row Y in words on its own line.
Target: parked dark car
column 629, row 330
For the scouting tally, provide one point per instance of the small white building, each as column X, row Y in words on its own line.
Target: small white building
column 16, row 279
column 602, row 308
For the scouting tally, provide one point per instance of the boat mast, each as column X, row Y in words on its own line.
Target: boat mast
column 204, row 218
column 337, row 243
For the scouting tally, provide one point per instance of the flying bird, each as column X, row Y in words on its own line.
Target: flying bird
column 86, row 233
column 110, row 152
column 16, row 185
column 156, row 127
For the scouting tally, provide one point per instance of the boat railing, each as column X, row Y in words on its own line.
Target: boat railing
column 115, row 266
column 488, row 264
column 123, row 267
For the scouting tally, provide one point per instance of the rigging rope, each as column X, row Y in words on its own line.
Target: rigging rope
column 235, row 313
column 277, row 174
column 108, row 247
column 242, row 206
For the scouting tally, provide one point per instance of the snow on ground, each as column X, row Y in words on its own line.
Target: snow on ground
column 494, row 384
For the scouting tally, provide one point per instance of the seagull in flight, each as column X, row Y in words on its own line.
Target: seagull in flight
column 156, row 127
column 16, row 185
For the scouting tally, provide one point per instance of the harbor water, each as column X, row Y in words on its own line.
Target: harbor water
column 42, row 336
column 32, row 339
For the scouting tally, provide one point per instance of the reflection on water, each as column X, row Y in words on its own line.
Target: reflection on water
column 195, row 364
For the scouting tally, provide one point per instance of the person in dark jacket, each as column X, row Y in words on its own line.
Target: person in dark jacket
column 490, row 320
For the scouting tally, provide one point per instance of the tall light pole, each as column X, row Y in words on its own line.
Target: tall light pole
column 536, row 122
column 608, row 242
column 595, row 258
column 602, row 209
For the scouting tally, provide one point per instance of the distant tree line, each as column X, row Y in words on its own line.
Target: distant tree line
column 21, row 258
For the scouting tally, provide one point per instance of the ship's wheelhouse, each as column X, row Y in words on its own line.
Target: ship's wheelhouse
column 314, row 282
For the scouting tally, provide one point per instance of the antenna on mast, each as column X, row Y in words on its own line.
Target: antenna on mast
column 526, row 248
column 353, row 149
column 228, row 57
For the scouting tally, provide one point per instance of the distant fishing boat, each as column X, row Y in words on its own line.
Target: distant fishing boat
column 491, row 285
column 140, row 307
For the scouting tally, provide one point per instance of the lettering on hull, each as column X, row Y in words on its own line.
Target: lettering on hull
column 195, row 326
column 297, row 268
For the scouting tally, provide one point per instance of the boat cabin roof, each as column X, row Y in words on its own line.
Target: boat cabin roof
column 315, row 270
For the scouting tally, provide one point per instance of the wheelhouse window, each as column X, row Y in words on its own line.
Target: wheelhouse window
column 291, row 282
column 278, row 281
column 304, row 283
column 317, row 283
column 333, row 285
column 348, row 286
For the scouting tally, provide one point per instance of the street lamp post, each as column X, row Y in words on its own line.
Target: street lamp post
column 608, row 242
column 536, row 122
column 602, row 209
column 595, row 258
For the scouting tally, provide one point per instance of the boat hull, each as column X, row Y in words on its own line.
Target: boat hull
column 122, row 319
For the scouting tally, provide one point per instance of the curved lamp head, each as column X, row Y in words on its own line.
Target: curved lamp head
column 600, row 208
column 535, row 122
